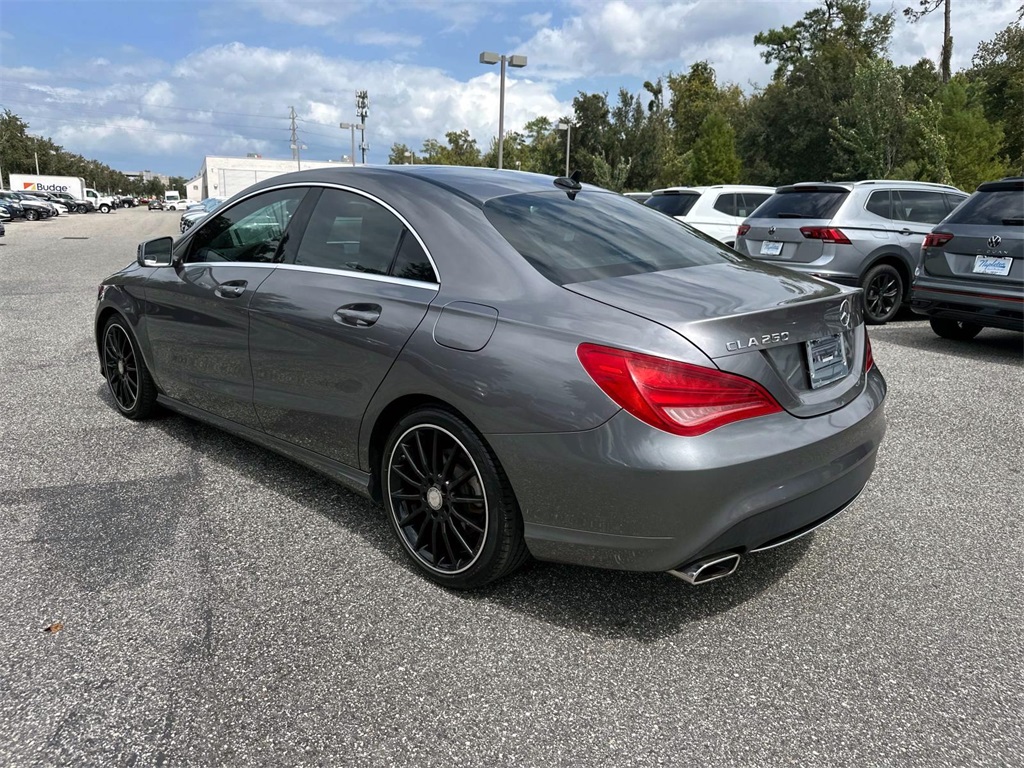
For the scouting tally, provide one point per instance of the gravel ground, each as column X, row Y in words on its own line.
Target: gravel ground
column 224, row 606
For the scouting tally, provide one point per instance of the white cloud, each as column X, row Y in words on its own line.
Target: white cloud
column 388, row 39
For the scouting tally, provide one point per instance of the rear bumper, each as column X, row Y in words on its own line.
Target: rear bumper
column 953, row 300
column 629, row 497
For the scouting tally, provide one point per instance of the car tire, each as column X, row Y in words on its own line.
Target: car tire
column 82, row 209
column 128, row 379
column 104, row 208
column 31, row 216
column 883, row 293
column 449, row 501
column 958, row 330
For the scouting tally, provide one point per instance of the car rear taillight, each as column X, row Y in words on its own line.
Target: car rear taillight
column 680, row 398
column 869, row 358
column 936, row 239
column 742, row 229
column 825, row 234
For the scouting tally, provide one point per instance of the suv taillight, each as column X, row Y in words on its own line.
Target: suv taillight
column 742, row 229
column 676, row 397
column 936, row 239
column 825, row 234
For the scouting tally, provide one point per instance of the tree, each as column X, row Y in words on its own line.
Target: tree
column 925, row 7
column 694, row 96
column 399, row 155
column 997, row 72
column 714, row 153
column 972, row 142
column 871, row 131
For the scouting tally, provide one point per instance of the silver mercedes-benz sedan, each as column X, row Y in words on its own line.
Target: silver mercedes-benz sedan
column 513, row 364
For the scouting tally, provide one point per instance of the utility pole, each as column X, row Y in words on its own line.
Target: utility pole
column 362, row 112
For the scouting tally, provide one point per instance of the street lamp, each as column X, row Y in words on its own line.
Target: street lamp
column 513, row 61
column 353, row 127
column 567, row 127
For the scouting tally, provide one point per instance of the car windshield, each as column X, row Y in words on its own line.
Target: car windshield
column 1004, row 206
column 597, row 235
column 672, row 203
column 801, row 204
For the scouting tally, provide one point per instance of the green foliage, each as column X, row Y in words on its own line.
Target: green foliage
column 997, row 72
column 400, row 154
column 869, row 133
column 714, row 153
column 972, row 142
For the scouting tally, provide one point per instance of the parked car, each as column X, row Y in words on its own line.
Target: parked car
column 511, row 363
column 75, row 203
column 178, row 205
column 716, row 211
column 971, row 274
column 59, row 206
column 35, row 208
column 12, row 204
column 196, row 213
column 865, row 233
column 156, row 204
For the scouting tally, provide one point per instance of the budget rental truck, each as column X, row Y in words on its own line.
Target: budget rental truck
column 73, row 185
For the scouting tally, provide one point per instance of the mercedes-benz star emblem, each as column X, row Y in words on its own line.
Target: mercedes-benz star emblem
column 771, row 230
column 994, row 241
column 845, row 315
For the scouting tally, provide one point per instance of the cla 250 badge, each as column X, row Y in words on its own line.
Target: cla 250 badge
column 757, row 341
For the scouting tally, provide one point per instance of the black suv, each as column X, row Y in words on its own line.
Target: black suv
column 971, row 273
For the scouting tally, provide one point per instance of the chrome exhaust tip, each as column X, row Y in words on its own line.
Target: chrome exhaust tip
column 708, row 569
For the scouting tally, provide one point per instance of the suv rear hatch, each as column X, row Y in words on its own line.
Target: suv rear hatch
column 792, row 225
column 982, row 241
column 673, row 202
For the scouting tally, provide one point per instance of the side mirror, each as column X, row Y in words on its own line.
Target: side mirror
column 155, row 253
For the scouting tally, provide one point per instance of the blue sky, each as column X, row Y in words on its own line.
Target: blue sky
column 159, row 84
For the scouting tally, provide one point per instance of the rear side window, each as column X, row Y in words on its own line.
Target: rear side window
column 879, row 204
column 597, row 235
column 347, row 231
column 726, row 204
column 672, row 203
column 749, row 202
column 921, row 207
column 1003, row 207
column 803, row 204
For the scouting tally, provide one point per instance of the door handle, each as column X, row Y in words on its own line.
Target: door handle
column 231, row 290
column 905, row 231
column 357, row 315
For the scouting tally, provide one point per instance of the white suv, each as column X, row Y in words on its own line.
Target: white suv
column 715, row 211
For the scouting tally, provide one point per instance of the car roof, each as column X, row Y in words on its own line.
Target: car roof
column 849, row 186
column 475, row 184
column 723, row 187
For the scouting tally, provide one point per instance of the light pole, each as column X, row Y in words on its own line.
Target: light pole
column 353, row 127
column 513, row 61
column 298, row 147
column 567, row 127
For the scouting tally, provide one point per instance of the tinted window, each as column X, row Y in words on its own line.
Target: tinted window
column 348, row 231
column 249, row 231
column 922, row 207
column 1005, row 207
column 878, row 204
column 596, row 235
column 726, row 204
column 802, row 204
column 412, row 263
column 750, row 202
column 954, row 200
column 671, row 203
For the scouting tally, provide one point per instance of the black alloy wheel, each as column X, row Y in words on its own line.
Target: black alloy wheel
column 449, row 502
column 127, row 377
column 82, row 209
column 883, row 293
column 958, row 330
column 31, row 215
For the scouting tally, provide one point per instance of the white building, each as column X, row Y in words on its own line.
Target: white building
column 225, row 176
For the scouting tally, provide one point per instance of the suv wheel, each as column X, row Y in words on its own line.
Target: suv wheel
column 958, row 330
column 883, row 293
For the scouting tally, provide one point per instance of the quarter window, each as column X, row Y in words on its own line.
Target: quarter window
column 726, row 204
column 251, row 231
column 879, row 204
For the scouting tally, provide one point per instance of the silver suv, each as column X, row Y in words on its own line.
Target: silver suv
column 860, row 233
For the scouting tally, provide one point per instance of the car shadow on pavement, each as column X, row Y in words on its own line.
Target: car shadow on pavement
column 990, row 346
column 609, row 604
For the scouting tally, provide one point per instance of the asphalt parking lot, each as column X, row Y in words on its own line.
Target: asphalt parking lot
column 224, row 606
